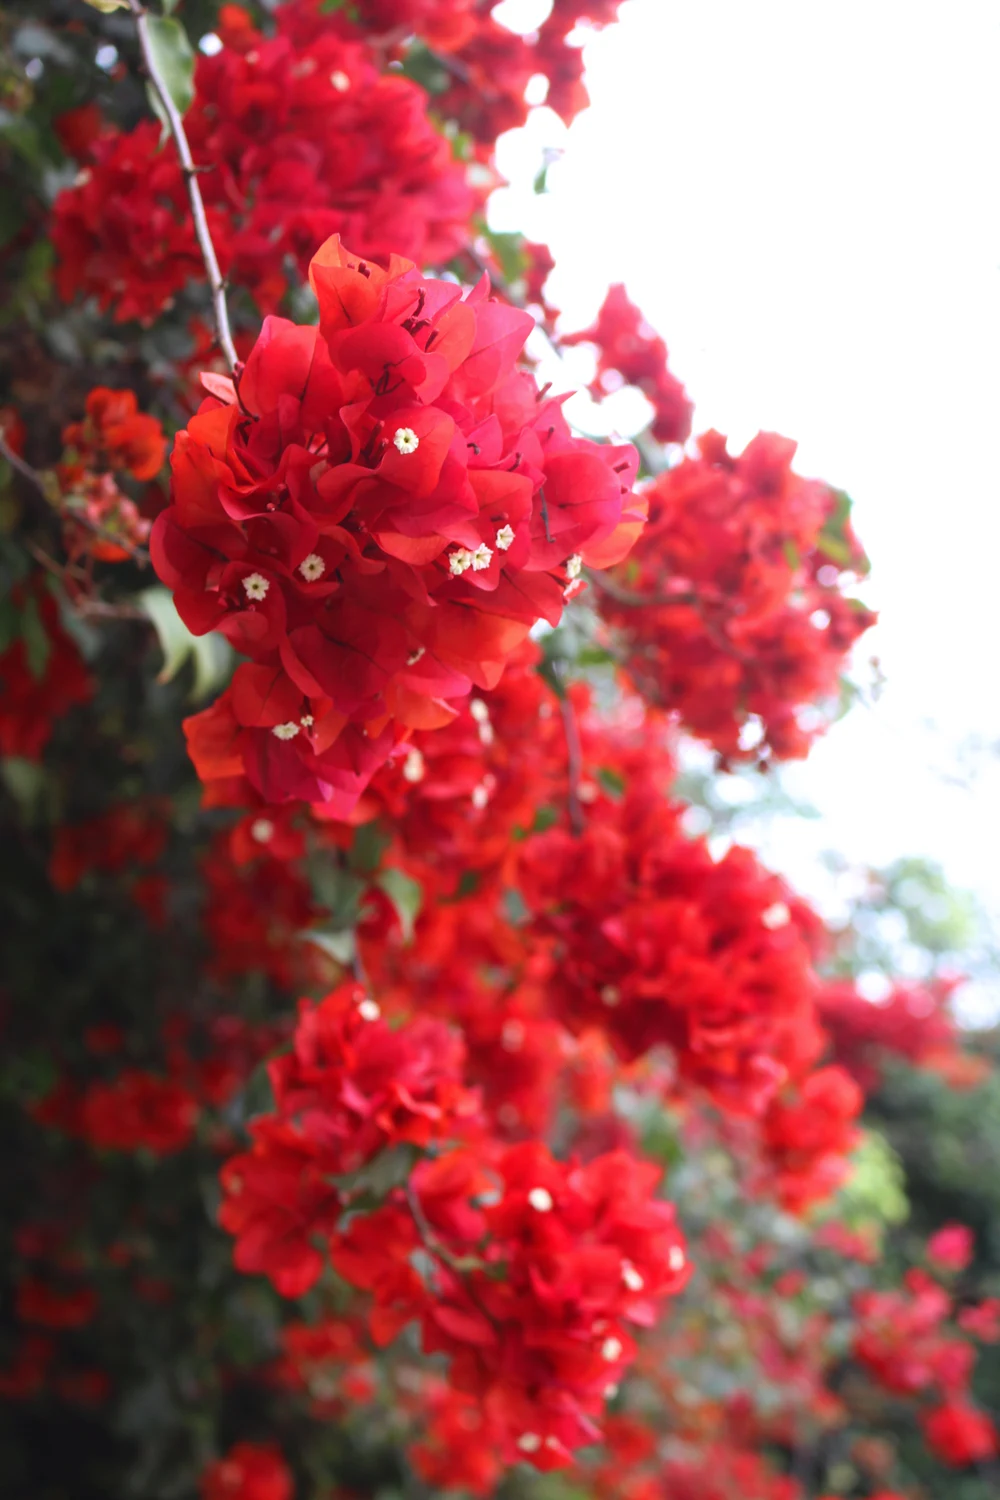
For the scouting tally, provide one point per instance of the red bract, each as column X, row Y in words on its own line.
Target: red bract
column 249, row 1471
column 632, row 352
column 808, row 1133
column 116, row 435
column 139, row 1110
column 304, row 138
column 376, row 513
column 914, row 1022
column 41, row 676
column 659, row 944
column 960, row 1434
column 277, row 1197
column 357, row 1087
column 747, row 569
column 952, row 1247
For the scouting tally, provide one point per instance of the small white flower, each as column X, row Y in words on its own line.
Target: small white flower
column 610, row 995
column 480, row 796
column 285, row 731
column 675, row 1259
column 612, row 1349
column 529, row 1442
column 369, row 1010
column 340, row 81
column 413, row 765
column 610, row 1392
column 406, row 440
column 481, row 557
column 541, row 1200
column 574, row 566
column 262, row 829
column 631, row 1277
column 551, row 1442
column 459, row 560
column 307, row 721
column 256, row 586
column 776, row 916
column 414, row 656
column 512, row 1035
column 479, row 710
column 504, row 537
column 312, row 567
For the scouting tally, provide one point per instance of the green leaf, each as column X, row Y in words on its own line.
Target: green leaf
column 211, row 655
column 336, row 944
column 174, row 60
column 406, row 895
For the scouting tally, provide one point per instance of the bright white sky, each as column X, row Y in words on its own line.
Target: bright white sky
column 805, row 201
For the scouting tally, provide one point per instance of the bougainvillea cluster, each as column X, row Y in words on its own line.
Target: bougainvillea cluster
column 408, row 1096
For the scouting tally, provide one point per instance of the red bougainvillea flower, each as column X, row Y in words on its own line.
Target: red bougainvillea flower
column 277, row 1198
column 657, row 943
column 808, row 1133
column 960, row 1434
column 630, row 351
column 41, row 676
column 249, row 1471
column 139, row 1110
column 952, row 1247
column 116, row 435
column 376, row 513
column 357, row 1086
column 279, row 120
column 748, row 570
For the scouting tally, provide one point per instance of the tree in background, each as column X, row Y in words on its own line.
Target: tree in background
column 402, row 1096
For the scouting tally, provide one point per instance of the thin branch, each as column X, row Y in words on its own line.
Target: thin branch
column 33, row 476
column 190, row 171
column 622, row 595
column 574, row 766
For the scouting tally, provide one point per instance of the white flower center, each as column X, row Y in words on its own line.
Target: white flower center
column 777, row 915
column 611, row 1350
column 414, row 656
column 369, row 1010
column 631, row 1277
column 610, row 995
column 307, row 721
column 504, row 537
column 256, row 586
column 262, row 829
column 406, row 440
column 541, row 1200
column 285, row 731
column 480, row 796
column 413, row 765
column 312, row 567
column 459, row 560
column 481, row 557
column 529, row 1442
column 340, row 81
column 512, row 1035
column 574, row 565
column 675, row 1259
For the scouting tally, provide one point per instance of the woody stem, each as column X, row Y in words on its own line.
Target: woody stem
column 190, row 172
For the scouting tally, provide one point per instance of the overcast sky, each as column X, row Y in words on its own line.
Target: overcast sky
column 805, row 201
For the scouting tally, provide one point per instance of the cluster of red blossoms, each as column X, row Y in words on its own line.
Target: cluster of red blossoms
column 376, row 511
column 741, row 576
column 906, row 1348
column 630, row 352
column 304, row 137
column 114, row 437
column 537, row 1268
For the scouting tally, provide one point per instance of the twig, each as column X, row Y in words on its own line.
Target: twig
column 33, row 476
column 190, row 171
column 622, row 595
column 574, row 766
